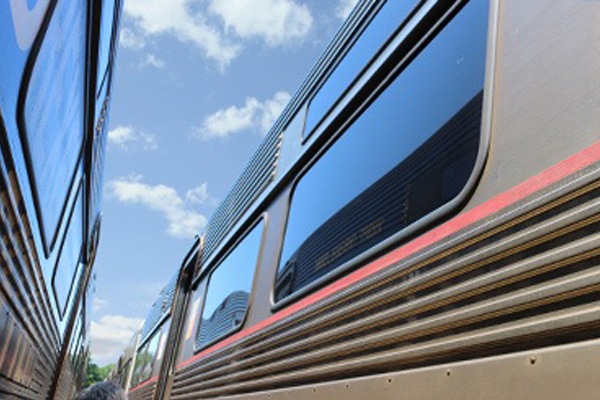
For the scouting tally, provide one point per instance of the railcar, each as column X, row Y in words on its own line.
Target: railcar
column 421, row 222
column 122, row 373
column 55, row 84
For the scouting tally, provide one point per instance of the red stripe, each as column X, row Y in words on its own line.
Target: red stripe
column 552, row 175
column 143, row 384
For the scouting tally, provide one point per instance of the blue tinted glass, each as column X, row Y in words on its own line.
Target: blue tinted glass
column 54, row 111
column 387, row 20
column 70, row 253
column 410, row 152
column 106, row 29
column 229, row 290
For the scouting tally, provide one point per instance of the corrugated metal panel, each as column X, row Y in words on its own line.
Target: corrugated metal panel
column 161, row 307
column 257, row 175
column 143, row 393
column 28, row 309
column 524, row 278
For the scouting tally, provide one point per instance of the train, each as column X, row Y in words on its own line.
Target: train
column 422, row 221
column 56, row 69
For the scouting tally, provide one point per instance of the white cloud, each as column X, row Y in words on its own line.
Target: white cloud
column 127, row 138
column 131, row 40
column 110, row 336
column 153, row 61
column 254, row 115
column 198, row 195
column 174, row 17
column 277, row 22
column 271, row 110
column 183, row 221
column 344, row 8
column 98, row 304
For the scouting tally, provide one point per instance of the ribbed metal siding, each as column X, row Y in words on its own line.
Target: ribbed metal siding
column 161, row 307
column 524, row 278
column 144, row 393
column 257, row 175
column 262, row 168
column 28, row 307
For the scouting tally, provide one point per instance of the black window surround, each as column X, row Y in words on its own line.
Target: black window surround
column 454, row 194
column 228, row 307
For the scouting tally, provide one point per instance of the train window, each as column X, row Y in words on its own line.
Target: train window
column 150, row 354
column 75, row 339
column 147, row 355
column 410, row 152
column 387, row 20
column 55, row 103
column 228, row 290
column 69, row 257
column 105, row 43
column 141, row 360
column 123, row 373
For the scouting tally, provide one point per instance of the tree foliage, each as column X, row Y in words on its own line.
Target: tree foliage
column 96, row 373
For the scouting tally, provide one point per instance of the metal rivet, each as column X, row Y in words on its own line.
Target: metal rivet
column 532, row 360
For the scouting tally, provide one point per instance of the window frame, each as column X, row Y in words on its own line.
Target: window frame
column 79, row 196
column 355, row 37
column 206, row 279
column 49, row 243
column 156, row 333
column 357, row 99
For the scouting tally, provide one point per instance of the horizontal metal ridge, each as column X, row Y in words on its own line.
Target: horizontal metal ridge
column 160, row 308
column 255, row 177
column 584, row 249
column 143, row 393
column 540, row 265
column 584, row 316
column 527, row 298
column 450, row 266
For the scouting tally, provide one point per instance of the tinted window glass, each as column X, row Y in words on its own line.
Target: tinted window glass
column 54, row 112
column 141, row 360
column 123, row 373
column 387, row 20
column 75, row 339
column 149, row 356
column 106, row 30
column 411, row 151
column 229, row 290
column 144, row 360
column 69, row 256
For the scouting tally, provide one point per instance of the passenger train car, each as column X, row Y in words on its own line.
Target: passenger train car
column 56, row 64
column 421, row 222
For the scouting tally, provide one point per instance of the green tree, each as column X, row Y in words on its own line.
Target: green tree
column 96, row 373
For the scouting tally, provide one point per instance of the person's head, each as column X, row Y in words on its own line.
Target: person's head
column 102, row 391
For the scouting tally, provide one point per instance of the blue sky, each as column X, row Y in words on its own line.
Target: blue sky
column 198, row 83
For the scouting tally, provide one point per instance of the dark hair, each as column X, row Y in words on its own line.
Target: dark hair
column 102, row 391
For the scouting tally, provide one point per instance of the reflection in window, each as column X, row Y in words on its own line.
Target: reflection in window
column 54, row 112
column 410, row 152
column 387, row 20
column 123, row 373
column 69, row 256
column 106, row 30
column 75, row 339
column 141, row 360
column 229, row 290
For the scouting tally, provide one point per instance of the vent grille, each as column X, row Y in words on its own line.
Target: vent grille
column 160, row 308
column 257, row 175
column 524, row 278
